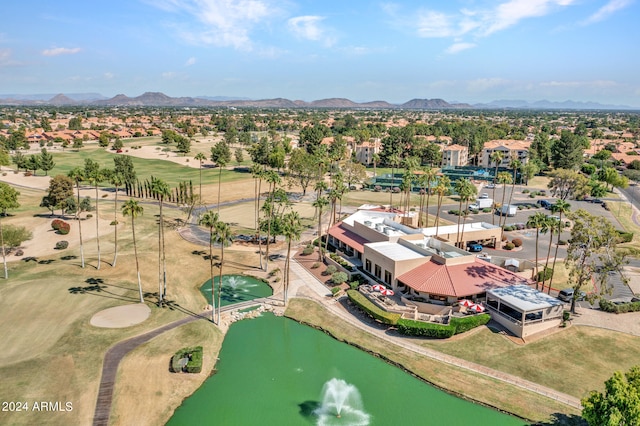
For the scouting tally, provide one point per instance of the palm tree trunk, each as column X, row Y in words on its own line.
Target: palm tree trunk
column 79, row 225
column 537, row 271
column 426, row 212
column 4, row 254
column 320, row 258
column 160, row 258
column 115, row 230
column 459, row 217
column 555, row 255
column 200, row 195
column 546, row 264
column 438, row 215
column 213, row 293
column 97, row 227
column 220, row 279
column 135, row 252
column 164, row 254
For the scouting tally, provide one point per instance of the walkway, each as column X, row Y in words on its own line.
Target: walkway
column 302, row 278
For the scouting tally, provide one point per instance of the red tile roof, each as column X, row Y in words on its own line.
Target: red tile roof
column 348, row 237
column 459, row 280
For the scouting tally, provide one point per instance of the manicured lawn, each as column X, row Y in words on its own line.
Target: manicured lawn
column 574, row 361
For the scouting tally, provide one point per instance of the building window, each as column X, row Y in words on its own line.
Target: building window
column 378, row 271
column 387, row 277
column 367, row 265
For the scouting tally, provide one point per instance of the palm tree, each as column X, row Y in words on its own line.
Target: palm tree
column 95, row 176
column 209, row 219
column 496, row 157
column 258, row 172
column 504, row 178
column 133, row 209
column 376, row 159
column 561, row 207
column 161, row 190
column 537, row 221
column 200, row 157
column 320, row 204
column 77, row 174
column 441, row 190
column 320, row 187
column 291, row 230
column 394, row 160
column 549, row 225
column 514, row 165
column 428, row 176
column 117, row 181
column 224, row 237
column 466, row 191
column 273, row 179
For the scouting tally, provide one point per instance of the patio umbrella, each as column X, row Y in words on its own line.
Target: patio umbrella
column 386, row 292
column 476, row 308
column 466, row 303
column 377, row 287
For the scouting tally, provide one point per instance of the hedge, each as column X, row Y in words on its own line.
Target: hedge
column 625, row 237
column 425, row 329
column 369, row 307
column 608, row 306
column 467, row 323
column 195, row 363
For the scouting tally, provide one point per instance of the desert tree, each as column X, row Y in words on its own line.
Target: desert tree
column 619, row 405
column 8, row 200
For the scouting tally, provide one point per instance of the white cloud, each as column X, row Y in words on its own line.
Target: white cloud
column 579, row 84
column 190, row 61
column 310, row 28
column 607, row 10
column 61, row 51
column 511, row 12
column 224, row 23
column 109, row 75
column 459, row 47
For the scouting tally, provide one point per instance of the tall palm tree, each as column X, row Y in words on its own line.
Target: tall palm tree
column 514, row 165
column 222, row 235
column 376, row 159
column 273, row 179
column 441, row 190
column 394, row 160
column 77, row 174
column 320, row 187
column 258, row 172
column 561, row 207
column 537, row 221
column 133, row 209
column 209, row 219
column 95, row 176
column 465, row 190
column 200, row 157
column 116, row 179
column 291, row 230
column 429, row 176
column 496, row 158
column 320, row 204
column 549, row 225
column 504, row 178
column 161, row 190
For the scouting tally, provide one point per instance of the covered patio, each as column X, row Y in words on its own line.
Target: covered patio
column 524, row 310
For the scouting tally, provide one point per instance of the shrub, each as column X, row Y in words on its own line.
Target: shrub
column 377, row 188
column 544, row 275
column 517, row 242
column 486, row 210
column 367, row 306
column 467, row 323
column 113, row 223
column 339, row 277
column 64, row 228
column 532, row 195
column 566, row 315
column 335, row 290
column 622, row 308
column 89, row 216
column 354, row 285
column 19, row 252
column 331, row 269
column 316, row 265
column 625, row 237
column 194, row 365
column 61, row 245
column 55, row 224
column 525, row 191
column 308, row 250
column 425, row 329
column 509, row 246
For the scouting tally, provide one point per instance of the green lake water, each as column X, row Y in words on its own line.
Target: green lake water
column 236, row 288
column 272, row 371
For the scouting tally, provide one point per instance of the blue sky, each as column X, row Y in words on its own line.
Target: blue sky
column 458, row 50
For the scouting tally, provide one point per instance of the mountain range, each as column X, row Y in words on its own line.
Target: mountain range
column 160, row 99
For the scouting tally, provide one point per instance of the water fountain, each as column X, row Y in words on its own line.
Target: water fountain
column 341, row 405
column 237, row 288
column 235, row 284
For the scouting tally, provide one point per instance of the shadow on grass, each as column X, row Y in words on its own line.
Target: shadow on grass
column 561, row 419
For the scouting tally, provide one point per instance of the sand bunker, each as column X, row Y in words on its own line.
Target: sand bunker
column 121, row 316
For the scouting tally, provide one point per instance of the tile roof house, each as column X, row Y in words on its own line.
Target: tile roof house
column 512, row 149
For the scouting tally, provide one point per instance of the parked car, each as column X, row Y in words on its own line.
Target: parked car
column 490, row 186
column 544, row 203
column 474, row 248
column 484, row 195
column 596, row 200
column 567, row 294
